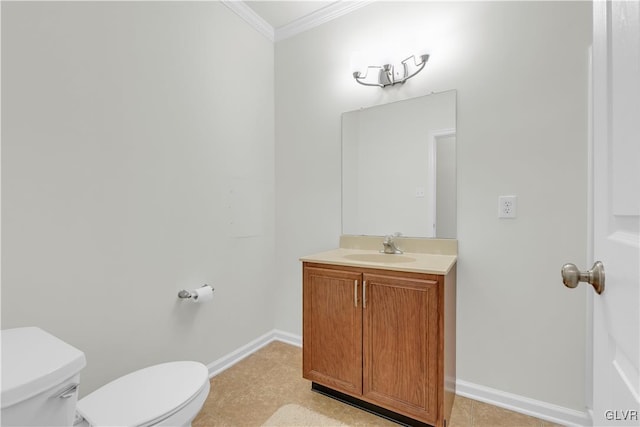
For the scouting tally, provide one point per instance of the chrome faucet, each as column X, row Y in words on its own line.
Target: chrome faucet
column 390, row 246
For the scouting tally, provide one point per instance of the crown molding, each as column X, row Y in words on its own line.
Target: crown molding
column 252, row 18
column 307, row 22
column 320, row 16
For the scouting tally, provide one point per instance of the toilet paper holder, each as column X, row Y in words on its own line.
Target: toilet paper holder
column 184, row 294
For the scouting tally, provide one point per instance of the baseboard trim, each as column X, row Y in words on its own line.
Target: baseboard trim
column 287, row 337
column 225, row 362
column 524, row 405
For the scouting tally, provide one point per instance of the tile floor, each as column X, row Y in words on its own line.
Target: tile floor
column 248, row 393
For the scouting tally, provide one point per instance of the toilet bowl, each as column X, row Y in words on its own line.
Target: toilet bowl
column 41, row 375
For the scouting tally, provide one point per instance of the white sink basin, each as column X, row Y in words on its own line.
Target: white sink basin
column 383, row 258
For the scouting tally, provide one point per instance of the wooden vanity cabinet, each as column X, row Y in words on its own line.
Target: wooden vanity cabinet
column 386, row 338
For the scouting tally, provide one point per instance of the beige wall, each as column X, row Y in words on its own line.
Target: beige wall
column 137, row 159
column 521, row 75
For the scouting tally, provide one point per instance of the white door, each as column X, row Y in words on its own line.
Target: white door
column 616, row 212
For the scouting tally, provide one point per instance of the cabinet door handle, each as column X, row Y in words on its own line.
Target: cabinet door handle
column 355, row 293
column 364, row 294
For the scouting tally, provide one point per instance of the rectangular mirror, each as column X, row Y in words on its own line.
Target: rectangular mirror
column 399, row 168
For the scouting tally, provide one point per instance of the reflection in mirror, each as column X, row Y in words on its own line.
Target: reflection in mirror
column 399, row 168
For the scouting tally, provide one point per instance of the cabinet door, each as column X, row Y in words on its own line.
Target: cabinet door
column 332, row 329
column 401, row 344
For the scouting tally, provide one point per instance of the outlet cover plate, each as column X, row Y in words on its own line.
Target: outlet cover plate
column 507, row 206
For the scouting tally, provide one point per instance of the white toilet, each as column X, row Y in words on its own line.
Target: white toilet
column 41, row 374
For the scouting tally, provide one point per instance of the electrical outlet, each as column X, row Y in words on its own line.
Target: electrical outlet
column 507, row 206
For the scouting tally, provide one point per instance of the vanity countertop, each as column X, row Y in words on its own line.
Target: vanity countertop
column 408, row 261
column 430, row 256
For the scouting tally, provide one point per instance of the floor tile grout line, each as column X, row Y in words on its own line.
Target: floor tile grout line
column 473, row 408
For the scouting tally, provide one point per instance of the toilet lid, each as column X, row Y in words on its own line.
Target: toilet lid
column 146, row 396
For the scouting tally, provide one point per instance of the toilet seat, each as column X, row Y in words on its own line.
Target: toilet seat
column 145, row 397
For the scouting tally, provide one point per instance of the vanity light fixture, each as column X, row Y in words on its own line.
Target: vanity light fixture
column 387, row 74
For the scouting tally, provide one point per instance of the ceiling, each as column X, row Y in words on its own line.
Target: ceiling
column 281, row 13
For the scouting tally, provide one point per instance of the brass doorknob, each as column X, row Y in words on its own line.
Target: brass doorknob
column 571, row 276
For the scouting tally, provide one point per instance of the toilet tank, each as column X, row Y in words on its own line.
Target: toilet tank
column 40, row 378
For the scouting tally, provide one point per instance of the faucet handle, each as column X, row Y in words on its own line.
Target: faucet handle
column 389, row 237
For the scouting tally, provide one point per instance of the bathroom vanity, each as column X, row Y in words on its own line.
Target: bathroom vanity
column 379, row 329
